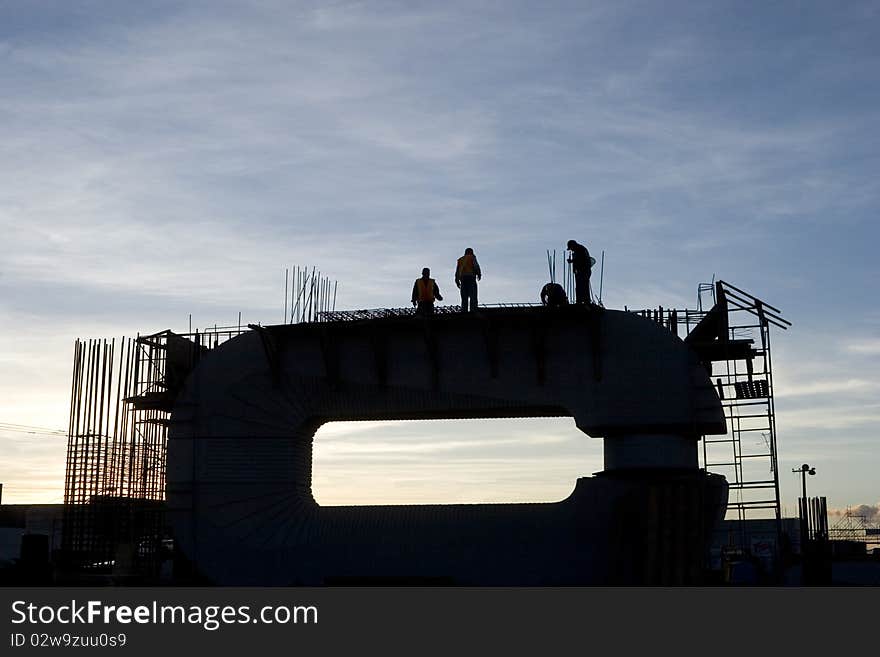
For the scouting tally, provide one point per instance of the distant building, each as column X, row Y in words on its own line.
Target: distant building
column 30, row 534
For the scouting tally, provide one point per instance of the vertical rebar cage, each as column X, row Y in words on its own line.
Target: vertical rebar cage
column 115, row 475
column 122, row 394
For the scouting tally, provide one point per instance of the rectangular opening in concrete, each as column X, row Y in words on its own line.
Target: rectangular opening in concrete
column 451, row 461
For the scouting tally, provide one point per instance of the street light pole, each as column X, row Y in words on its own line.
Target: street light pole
column 805, row 470
column 814, row 549
column 804, row 507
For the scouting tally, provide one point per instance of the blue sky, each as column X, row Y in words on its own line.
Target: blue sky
column 162, row 159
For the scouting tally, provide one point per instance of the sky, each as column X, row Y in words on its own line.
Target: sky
column 161, row 159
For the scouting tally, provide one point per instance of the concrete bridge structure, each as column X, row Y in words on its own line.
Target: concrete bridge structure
column 239, row 463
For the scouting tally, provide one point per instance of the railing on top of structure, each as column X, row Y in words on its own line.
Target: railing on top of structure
column 380, row 313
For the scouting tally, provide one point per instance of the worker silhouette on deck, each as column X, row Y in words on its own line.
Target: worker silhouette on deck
column 553, row 295
column 581, row 264
column 424, row 292
column 467, row 273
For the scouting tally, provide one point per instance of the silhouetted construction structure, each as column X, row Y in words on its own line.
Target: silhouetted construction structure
column 122, row 395
column 126, row 395
column 855, row 527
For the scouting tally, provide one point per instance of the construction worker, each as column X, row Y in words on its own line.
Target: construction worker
column 553, row 295
column 424, row 292
column 467, row 273
column 581, row 263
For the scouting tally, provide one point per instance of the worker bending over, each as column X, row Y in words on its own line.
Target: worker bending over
column 553, row 295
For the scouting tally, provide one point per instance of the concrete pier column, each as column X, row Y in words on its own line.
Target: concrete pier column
column 651, row 451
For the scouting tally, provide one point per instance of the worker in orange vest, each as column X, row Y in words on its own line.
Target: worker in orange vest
column 467, row 273
column 424, row 292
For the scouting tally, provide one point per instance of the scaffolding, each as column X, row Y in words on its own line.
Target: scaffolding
column 747, row 455
column 855, row 527
column 732, row 340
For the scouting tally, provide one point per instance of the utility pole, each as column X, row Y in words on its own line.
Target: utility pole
column 804, row 506
column 804, row 470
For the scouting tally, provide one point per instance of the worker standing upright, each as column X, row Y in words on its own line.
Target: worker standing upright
column 467, row 273
column 581, row 264
column 424, row 292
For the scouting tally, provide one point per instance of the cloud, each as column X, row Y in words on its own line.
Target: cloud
column 870, row 513
column 827, row 387
column 870, row 347
column 831, row 418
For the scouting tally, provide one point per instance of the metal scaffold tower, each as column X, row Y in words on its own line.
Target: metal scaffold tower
column 743, row 374
column 854, row 526
column 732, row 339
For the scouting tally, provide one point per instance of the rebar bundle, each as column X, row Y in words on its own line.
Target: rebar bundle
column 307, row 294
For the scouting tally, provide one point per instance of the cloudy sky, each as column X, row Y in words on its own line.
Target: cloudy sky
column 161, row 158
